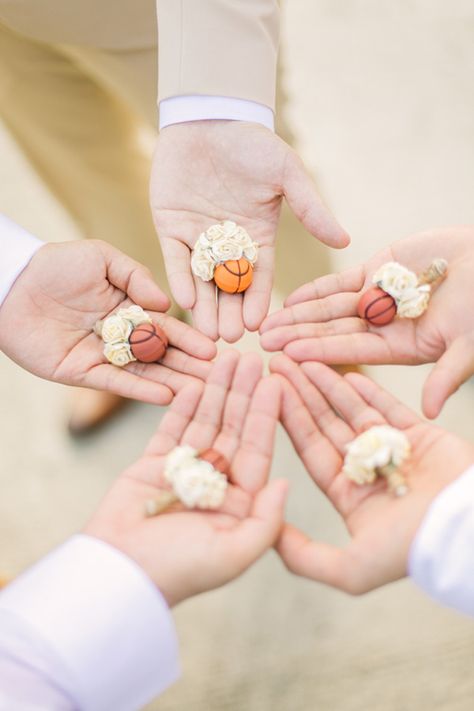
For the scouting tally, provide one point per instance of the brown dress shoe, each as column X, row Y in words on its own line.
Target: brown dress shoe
column 91, row 409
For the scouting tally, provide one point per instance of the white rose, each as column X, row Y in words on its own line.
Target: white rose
column 239, row 235
column 135, row 314
column 118, row 353
column 202, row 264
column 115, row 329
column 251, row 252
column 395, row 279
column 176, row 458
column 212, row 233
column 414, row 302
column 225, row 248
column 378, row 447
column 197, row 484
column 230, row 227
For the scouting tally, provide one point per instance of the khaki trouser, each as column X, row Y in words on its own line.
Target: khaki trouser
column 78, row 93
column 77, row 112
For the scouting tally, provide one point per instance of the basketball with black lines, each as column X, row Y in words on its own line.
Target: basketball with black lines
column 148, row 342
column 377, row 307
column 234, row 276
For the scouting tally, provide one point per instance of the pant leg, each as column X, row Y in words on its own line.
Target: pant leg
column 84, row 140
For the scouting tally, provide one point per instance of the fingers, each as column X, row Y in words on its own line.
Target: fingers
column 186, row 365
column 396, row 413
column 454, row 367
column 352, row 347
column 251, row 465
column 258, row 295
column 302, row 197
column 231, row 324
column 317, row 561
column 133, row 279
column 246, row 377
column 205, row 309
column 257, row 533
column 186, row 338
column 158, row 373
column 329, row 308
column 176, row 420
column 207, row 420
column 349, row 280
column 343, row 397
column 333, row 427
column 122, row 381
column 277, row 338
column 177, row 259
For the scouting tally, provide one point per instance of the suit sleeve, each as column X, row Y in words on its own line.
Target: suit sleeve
column 17, row 247
column 86, row 629
column 225, row 48
column 442, row 554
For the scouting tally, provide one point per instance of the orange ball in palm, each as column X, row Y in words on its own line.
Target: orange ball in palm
column 234, row 276
column 148, row 342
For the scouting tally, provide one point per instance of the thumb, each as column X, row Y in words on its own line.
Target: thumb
column 257, row 533
column 454, row 367
column 302, row 196
column 134, row 279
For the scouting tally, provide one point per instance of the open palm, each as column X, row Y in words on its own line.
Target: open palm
column 47, row 319
column 320, row 322
column 323, row 411
column 208, row 171
column 186, row 552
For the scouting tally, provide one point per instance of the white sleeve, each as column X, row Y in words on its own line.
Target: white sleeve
column 180, row 109
column 442, row 554
column 17, row 246
column 84, row 628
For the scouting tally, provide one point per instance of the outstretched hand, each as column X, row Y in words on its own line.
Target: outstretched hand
column 46, row 323
column 322, row 412
column 186, row 552
column 320, row 322
column 208, row 171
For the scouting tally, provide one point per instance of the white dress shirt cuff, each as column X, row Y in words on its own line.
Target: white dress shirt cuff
column 17, row 246
column 180, row 109
column 442, row 553
column 104, row 620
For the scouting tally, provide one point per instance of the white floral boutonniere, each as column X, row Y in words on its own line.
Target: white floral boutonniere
column 380, row 451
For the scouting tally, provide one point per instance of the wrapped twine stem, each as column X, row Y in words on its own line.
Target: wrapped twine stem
column 397, row 483
column 435, row 271
column 160, row 503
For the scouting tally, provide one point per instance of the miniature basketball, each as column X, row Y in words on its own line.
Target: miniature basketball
column 377, row 307
column 218, row 461
column 148, row 342
column 234, row 276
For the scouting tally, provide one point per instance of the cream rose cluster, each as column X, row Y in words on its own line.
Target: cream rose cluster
column 195, row 482
column 379, row 450
column 218, row 244
column 403, row 285
column 115, row 332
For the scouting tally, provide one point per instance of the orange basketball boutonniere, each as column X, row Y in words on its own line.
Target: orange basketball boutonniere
column 226, row 254
column 131, row 335
column 397, row 291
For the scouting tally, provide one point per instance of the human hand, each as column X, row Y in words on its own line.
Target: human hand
column 322, row 411
column 320, row 322
column 207, row 171
column 46, row 323
column 186, row 552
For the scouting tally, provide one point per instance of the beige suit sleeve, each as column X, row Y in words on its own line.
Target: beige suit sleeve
column 218, row 48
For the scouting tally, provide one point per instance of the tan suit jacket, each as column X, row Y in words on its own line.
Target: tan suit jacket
column 218, row 47
column 215, row 47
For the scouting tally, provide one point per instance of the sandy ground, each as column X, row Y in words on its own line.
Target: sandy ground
column 380, row 102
